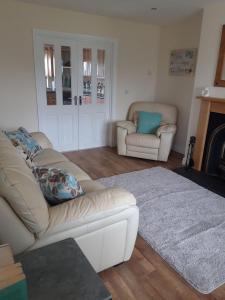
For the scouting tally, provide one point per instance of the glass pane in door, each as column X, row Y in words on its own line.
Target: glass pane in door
column 66, row 75
column 100, row 76
column 87, row 84
column 49, row 61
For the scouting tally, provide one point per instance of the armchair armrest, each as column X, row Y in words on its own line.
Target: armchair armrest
column 123, row 129
column 128, row 125
column 42, row 140
column 168, row 128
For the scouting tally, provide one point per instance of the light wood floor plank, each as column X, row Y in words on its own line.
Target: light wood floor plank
column 146, row 275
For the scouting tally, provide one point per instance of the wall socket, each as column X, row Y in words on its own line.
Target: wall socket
column 202, row 91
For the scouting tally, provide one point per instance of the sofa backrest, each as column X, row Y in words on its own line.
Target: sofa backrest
column 169, row 112
column 20, row 189
column 12, row 229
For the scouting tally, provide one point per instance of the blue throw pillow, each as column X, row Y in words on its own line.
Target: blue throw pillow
column 22, row 138
column 57, row 185
column 148, row 122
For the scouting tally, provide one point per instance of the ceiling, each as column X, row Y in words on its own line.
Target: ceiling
column 168, row 11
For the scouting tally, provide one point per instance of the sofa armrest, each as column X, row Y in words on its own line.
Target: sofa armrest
column 168, row 128
column 42, row 140
column 90, row 207
column 128, row 125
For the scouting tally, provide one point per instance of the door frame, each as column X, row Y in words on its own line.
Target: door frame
column 113, row 72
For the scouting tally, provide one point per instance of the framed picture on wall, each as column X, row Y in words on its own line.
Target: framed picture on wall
column 182, row 62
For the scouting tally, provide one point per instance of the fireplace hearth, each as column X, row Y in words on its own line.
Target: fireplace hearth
column 213, row 183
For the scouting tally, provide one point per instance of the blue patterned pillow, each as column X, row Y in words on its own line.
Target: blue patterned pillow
column 22, row 138
column 57, row 185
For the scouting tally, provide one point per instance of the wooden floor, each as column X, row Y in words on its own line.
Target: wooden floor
column 104, row 162
column 146, row 275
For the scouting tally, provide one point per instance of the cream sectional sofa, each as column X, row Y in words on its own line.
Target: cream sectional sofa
column 104, row 221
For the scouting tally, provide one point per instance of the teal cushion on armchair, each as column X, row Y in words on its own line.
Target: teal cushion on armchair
column 148, row 122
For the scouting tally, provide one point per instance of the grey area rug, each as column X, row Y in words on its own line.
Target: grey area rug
column 182, row 221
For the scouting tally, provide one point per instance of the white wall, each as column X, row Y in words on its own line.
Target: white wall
column 177, row 90
column 136, row 64
column 213, row 19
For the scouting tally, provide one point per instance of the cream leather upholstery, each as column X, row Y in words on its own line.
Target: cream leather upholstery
column 128, row 125
column 143, row 140
column 12, row 229
column 169, row 112
column 49, row 157
column 20, row 189
column 42, row 140
column 105, row 242
column 90, row 207
column 71, row 168
column 149, row 146
column 104, row 221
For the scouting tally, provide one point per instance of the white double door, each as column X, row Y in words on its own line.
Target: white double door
column 73, row 79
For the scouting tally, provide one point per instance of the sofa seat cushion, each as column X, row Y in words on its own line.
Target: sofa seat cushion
column 89, row 186
column 48, row 157
column 71, row 168
column 88, row 208
column 143, row 140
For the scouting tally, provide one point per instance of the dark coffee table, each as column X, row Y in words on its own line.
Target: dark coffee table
column 60, row 271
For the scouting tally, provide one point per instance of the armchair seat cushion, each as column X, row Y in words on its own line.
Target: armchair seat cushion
column 143, row 140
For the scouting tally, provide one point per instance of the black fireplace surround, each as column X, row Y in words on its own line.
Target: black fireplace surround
column 212, row 174
column 214, row 151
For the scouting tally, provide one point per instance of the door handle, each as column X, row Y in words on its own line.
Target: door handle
column 75, row 100
column 80, row 100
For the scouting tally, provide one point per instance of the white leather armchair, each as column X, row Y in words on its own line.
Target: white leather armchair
column 149, row 146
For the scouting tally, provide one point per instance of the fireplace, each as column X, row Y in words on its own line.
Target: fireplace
column 214, row 151
column 209, row 152
column 222, row 163
column 209, row 149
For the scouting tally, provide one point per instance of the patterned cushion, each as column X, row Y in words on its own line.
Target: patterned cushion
column 22, row 139
column 57, row 185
